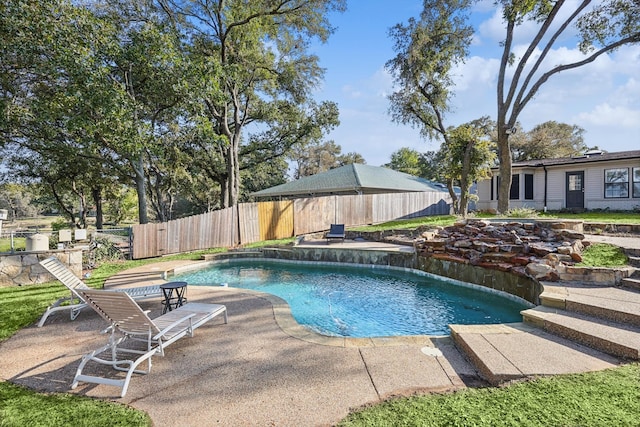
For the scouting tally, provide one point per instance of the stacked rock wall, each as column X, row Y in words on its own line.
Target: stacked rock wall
column 544, row 250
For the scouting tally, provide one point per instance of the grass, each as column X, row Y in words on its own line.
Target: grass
column 603, row 255
column 434, row 221
column 277, row 242
column 604, row 398
column 21, row 407
column 19, row 243
column 445, row 220
column 597, row 216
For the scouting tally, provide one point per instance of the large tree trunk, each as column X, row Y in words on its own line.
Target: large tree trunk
column 504, row 154
column 455, row 202
column 96, row 194
column 232, row 187
column 464, row 179
column 141, row 191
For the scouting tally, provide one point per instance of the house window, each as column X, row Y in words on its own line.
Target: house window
column 616, row 183
column 514, row 191
column 636, row 182
column 528, row 186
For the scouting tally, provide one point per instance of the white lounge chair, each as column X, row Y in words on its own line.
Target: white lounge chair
column 129, row 322
column 74, row 284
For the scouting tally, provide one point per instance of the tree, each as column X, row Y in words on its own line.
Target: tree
column 602, row 28
column 316, row 157
column 18, row 200
column 97, row 94
column 406, row 160
column 48, row 51
column 266, row 73
column 426, row 52
column 549, row 140
column 466, row 158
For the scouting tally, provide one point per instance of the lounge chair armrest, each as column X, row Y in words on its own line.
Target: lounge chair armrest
column 173, row 325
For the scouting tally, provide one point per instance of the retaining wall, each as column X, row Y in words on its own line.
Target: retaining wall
column 23, row 268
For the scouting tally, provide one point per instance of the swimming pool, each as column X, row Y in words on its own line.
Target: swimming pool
column 348, row 301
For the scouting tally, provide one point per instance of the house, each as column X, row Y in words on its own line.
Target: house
column 594, row 180
column 350, row 180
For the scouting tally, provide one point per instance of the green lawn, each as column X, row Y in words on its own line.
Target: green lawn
column 594, row 399
column 18, row 244
column 598, row 216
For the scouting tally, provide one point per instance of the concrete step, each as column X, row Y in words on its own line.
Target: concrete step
column 632, row 251
column 607, row 302
column 614, row 338
column 631, row 283
column 512, row 351
column 634, row 261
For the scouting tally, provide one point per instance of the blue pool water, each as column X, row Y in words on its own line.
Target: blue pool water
column 364, row 302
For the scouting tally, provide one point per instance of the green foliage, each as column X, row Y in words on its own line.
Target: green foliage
column 407, row 160
column 121, row 206
column 22, row 407
column 467, row 155
column 426, row 51
column 18, row 199
column 548, row 140
column 594, row 399
column 266, row 76
column 603, row 255
column 60, row 224
column 316, row 157
column 522, row 212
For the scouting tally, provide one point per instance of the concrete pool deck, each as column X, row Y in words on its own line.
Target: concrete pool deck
column 261, row 369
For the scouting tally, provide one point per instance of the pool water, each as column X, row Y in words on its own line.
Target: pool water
column 364, row 302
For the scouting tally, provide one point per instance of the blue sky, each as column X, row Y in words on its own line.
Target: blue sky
column 602, row 97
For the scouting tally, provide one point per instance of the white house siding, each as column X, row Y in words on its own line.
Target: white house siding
column 484, row 195
column 556, row 187
column 594, row 186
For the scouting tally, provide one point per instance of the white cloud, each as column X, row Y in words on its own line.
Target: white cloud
column 351, row 92
column 476, row 72
column 614, row 116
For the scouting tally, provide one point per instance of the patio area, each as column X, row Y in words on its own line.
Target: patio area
column 262, row 368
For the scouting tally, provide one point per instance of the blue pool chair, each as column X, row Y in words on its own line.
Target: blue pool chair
column 335, row 232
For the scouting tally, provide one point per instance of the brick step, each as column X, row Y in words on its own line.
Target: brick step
column 631, row 283
column 614, row 338
column 608, row 302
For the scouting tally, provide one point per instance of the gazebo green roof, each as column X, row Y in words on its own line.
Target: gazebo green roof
column 351, row 179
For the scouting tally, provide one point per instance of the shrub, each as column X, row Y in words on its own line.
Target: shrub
column 523, row 212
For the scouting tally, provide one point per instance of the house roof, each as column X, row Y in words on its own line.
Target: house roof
column 353, row 178
column 588, row 157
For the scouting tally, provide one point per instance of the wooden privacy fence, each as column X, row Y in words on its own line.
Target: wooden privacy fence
column 253, row 222
column 209, row 230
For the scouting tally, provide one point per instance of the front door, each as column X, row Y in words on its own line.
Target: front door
column 575, row 190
